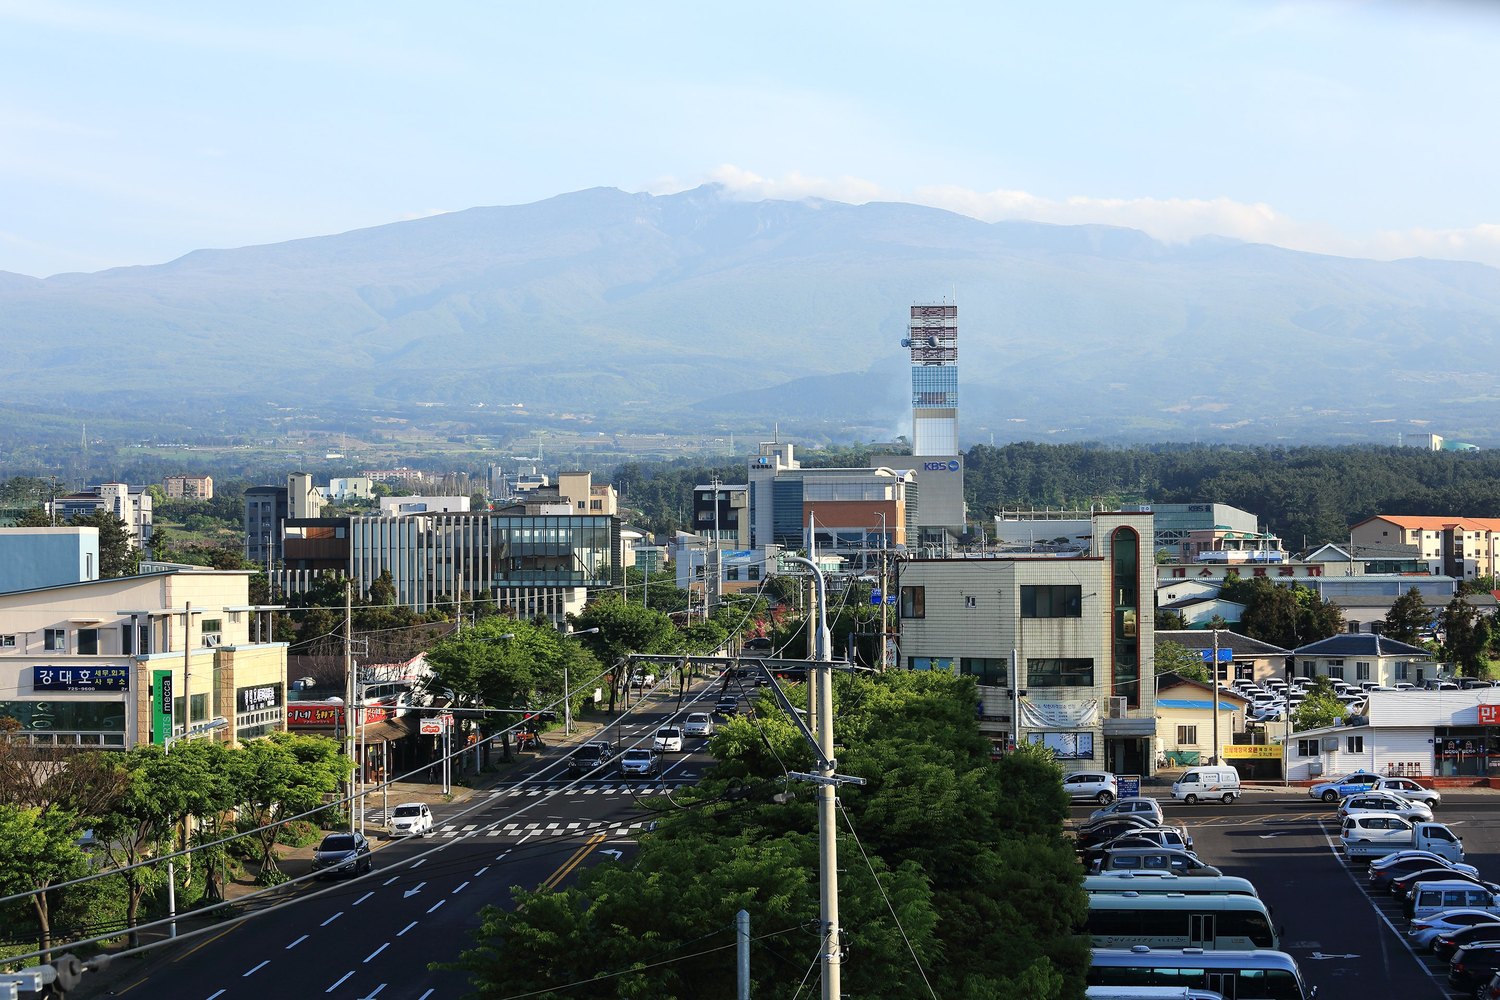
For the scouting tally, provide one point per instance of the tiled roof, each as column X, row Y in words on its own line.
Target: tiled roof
column 1224, row 706
column 1420, row 523
column 1360, row 644
column 1243, row 645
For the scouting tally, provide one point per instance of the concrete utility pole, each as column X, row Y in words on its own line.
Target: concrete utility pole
column 349, row 696
column 742, row 955
column 1214, row 685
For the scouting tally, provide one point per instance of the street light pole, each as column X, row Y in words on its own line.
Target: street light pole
column 166, row 748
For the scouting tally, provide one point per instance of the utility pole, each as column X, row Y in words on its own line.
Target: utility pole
column 884, row 545
column 1214, row 686
column 349, row 695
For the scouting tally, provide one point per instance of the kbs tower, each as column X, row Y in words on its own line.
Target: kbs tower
column 935, row 458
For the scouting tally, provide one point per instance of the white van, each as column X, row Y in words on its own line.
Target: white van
column 1222, row 783
column 1427, row 898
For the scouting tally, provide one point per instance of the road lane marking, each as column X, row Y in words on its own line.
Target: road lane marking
column 419, row 862
column 424, row 996
column 332, row 919
column 1349, row 870
column 340, row 982
column 296, row 942
column 481, row 871
column 256, row 969
column 364, row 897
column 434, row 906
column 377, row 951
column 373, row 993
column 195, row 948
column 218, row 994
column 390, row 880
column 406, row 928
column 574, row 861
column 461, row 887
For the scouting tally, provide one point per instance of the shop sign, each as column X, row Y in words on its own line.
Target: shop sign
column 326, row 716
column 103, row 678
column 1253, row 751
column 258, row 697
column 1489, row 715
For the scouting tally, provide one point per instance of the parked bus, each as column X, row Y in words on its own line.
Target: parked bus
column 1161, row 882
column 1237, row 975
column 1175, row 920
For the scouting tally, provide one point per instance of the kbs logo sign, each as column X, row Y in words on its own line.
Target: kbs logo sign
column 1489, row 715
column 940, row 466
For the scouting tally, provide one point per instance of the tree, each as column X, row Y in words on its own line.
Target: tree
column 1408, row 617
column 1319, row 709
column 1170, row 620
column 117, row 556
column 284, row 775
column 41, row 849
column 1466, row 636
column 625, row 629
column 1176, row 658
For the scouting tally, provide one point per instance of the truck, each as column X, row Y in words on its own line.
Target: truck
column 1373, row 835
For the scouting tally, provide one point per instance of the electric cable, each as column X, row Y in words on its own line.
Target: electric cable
column 888, row 905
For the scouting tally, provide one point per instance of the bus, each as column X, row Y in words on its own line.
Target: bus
column 1161, row 882
column 1177, row 920
column 1236, row 975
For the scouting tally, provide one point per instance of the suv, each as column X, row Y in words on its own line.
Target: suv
column 640, row 763
column 1409, row 789
column 410, row 819
column 590, row 756
column 342, row 854
column 726, row 706
column 668, row 740
column 1100, row 786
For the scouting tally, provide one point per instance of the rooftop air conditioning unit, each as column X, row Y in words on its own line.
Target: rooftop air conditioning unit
column 1118, row 706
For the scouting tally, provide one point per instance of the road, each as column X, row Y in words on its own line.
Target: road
column 375, row 935
column 1351, row 945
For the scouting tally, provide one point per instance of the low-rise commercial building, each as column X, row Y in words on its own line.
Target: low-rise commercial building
column 1419, row 733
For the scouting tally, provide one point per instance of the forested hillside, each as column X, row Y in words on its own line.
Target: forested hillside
column 1306, row 495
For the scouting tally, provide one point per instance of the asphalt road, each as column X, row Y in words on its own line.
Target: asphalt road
column 375, row 935
column 1350, row 944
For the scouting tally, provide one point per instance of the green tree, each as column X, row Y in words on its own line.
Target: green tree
column 117, row 556
column 625, row 629
column 1466, row 636
column 41, row 850
column 1170, row 620
column 285, row 774
column 1178, row 659
column 1408, row 617
column 1320, row 708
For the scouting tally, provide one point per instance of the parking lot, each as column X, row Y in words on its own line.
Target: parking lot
column 1349, row 943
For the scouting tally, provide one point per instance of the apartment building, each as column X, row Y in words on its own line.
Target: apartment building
column 1062, row 648
column 110, row 664
column 189, row 487
column 131, row 506
column 1463, row 547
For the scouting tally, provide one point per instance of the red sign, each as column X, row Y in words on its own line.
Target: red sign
column 327, row 716
column 1489, row 715
column 432, row 727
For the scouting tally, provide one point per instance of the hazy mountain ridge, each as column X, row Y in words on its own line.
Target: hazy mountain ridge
column 588, row 300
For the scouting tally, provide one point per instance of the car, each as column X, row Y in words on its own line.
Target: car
column 1364, row 802
column 1409, row 789
column 758, row 646
column 1473, row 966
column 642, row 679
column 668, row 740
column 1130, row 806
column 410, row 819
column 342, row 854
column 639, row 762
column 1425, row 932
column 1098, row 831
column 591, row 756
column 1491, row 991
column 1399, row 865
column 698, row 725
column 1155, row 859
column 1406, row 886
column 1169, row 837
column 1472, row 929
column 1100, row 786
column 1337, row 788
column 727, row 707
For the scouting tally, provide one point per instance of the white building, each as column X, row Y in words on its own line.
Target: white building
column 1422, row 733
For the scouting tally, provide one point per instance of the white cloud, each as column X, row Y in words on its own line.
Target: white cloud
column 1171, row 220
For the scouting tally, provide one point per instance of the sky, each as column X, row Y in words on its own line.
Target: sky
column 135, row 133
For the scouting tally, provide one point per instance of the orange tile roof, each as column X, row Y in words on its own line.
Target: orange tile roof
column 1419, row 523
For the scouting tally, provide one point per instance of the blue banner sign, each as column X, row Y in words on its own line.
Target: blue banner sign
column 101, row 678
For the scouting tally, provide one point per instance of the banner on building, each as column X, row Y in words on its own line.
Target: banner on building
column 1059, row 714
column 1252, row 751
column 1489, row 715
column 161, row 706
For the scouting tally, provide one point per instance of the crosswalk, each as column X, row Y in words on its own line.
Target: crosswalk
column 554, row 828
column 587, row 788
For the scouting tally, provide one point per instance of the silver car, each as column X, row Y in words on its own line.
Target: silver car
column 1409, row 789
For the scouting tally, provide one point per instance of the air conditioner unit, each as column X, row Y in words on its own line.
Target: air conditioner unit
column 1329, row 743
column 211, row 640
column 1118, row 707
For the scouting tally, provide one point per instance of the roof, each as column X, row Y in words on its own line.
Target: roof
column 1360, row 644
column 1205, row 704
column 1240, row 645
column 1420, row 523
column 1167, row 681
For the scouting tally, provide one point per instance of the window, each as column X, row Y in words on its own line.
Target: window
column 930, row 662
column 7, row 641
column 1336, row 673
column 1058, row 601
column 127, row 639
column 144, row 646
column 732, row 573
column 1401, row 670
column 212, row 631
column 971, row 602
column 1307, row 748
column 1187, row 736
column 1356, row 744
column 752, row 573
column 987, row 671
column 87, row 640
column 913, row 602
column 1061, row 672
column 1361, row 671
column 55, row 640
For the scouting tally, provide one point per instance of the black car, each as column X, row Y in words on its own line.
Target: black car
column 590, row 756
column 342, row 854
column 1109, row 829
column 727, row 706
column 1480, row 931
column 1381, row 878
column 1473, row 966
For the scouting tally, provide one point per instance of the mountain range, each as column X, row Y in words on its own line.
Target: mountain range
column 700, row 309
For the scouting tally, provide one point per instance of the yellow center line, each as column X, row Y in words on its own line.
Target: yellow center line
column 573, row 862
column 206, row 941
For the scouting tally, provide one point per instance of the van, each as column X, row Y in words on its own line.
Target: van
column 1427, row 898
column 1222, row 783
column 1154, row 859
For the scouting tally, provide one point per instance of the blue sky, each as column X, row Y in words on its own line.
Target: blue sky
column 134, row 133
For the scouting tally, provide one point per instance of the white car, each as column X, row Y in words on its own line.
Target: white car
column 1100, row 786
column 668, row 740
column 410, row 819
column 1379, row 802
column 698, row 724
column 1409, row 789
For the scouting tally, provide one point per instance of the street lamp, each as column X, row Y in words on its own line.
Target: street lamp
column 567, row 702
column 201, row 729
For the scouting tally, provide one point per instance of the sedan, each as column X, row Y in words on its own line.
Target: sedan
column 1383, row 876
column 1104, row 832
column 1425, row 933
column 726, row 706
column 410, row 819
column 1472, row 967
column 1379, row 802
column 342, row 854
column 1130, row 806
column 698, row 724
column 1409, row 789
column 1477, row 932
column 1337, row 788
column 668, row 740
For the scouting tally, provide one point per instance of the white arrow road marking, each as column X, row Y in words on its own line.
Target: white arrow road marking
column 617, row 855
column 1268, row 836
column 1319, row 956
column 413, row 890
